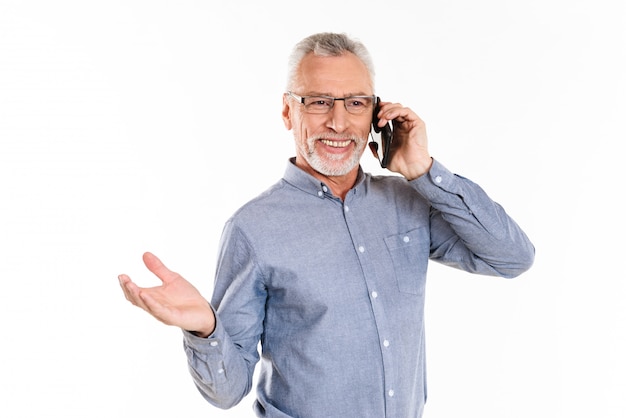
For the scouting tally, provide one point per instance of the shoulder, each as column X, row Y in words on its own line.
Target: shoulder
column 391, row 187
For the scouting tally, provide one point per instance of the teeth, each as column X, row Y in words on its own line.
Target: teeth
column 336, row 144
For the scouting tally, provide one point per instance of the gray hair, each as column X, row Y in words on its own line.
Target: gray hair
column 327, row 44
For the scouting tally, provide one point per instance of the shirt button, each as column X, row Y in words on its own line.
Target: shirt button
column 213, row 343
column 406, row 239
column 374, row 294
column 325, row 188
column 361, row 249
column 386, row 343
column 438, row 179
column 220, row 371
column 391, row 393
column 346, row 208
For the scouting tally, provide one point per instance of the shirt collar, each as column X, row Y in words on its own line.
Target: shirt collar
column 302, row 180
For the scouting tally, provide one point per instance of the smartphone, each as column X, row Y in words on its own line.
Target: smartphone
column 381, row 137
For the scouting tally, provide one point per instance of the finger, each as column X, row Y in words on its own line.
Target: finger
column 123, row 279
column 154, row 264
column 391, row 112
column 383, row 113
column 132, row 292
column 156, row 309
column 400, row 114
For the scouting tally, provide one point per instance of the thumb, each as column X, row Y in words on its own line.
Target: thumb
column 155, row 265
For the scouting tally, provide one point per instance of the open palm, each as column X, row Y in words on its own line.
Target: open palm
column 175, row 302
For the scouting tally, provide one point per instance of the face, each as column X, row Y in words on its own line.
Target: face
column 329, row 144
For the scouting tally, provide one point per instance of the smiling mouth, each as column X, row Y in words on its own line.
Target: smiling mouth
column 336, row 144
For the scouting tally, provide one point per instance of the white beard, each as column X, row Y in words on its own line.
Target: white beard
column 329, row 165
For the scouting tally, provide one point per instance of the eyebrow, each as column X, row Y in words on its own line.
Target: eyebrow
column 315, row 93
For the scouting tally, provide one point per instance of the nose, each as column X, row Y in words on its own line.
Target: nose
column 338, row 117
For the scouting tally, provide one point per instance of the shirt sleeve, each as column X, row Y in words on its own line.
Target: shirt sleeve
column 470, row 231
column 207, row 359
column 221, row 365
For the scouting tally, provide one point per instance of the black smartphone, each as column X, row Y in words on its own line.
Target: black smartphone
column 381, row 137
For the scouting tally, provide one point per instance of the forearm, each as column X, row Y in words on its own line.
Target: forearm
column 221, row 371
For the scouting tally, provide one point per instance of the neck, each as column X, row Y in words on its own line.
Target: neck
column 339, row 185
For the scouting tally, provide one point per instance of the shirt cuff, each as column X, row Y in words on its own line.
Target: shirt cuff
column 438, row 180
column 209, row 344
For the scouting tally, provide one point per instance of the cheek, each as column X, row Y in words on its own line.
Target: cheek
column 365, row 130
column 300, row 132
column 306, row 127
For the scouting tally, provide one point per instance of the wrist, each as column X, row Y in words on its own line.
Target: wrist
column 205, row 329
column 418, row 169
column 201, row 334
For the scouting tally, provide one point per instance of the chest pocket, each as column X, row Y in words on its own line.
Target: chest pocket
column 409, row 253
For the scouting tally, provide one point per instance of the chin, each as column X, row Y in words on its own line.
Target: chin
column 334, row 168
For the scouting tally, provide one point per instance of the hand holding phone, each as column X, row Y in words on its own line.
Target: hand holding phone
column 381, row 137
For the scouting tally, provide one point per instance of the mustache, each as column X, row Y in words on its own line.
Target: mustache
column 335, row 137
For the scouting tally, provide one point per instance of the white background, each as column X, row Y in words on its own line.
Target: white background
column 128, row 126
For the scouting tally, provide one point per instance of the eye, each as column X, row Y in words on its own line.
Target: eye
column 356, row 102
column 318, row 102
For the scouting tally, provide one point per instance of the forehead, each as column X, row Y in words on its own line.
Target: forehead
column 336, row 76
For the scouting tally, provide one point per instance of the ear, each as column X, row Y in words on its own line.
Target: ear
column 286, row 112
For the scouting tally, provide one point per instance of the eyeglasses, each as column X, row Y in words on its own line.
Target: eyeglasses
column 355, row 105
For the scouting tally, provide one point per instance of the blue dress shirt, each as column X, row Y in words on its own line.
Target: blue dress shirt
column 334, row 291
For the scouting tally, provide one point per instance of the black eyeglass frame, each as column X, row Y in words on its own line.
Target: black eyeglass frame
column 301, row 100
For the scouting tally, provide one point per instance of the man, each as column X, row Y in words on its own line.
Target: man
column 327, row 268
